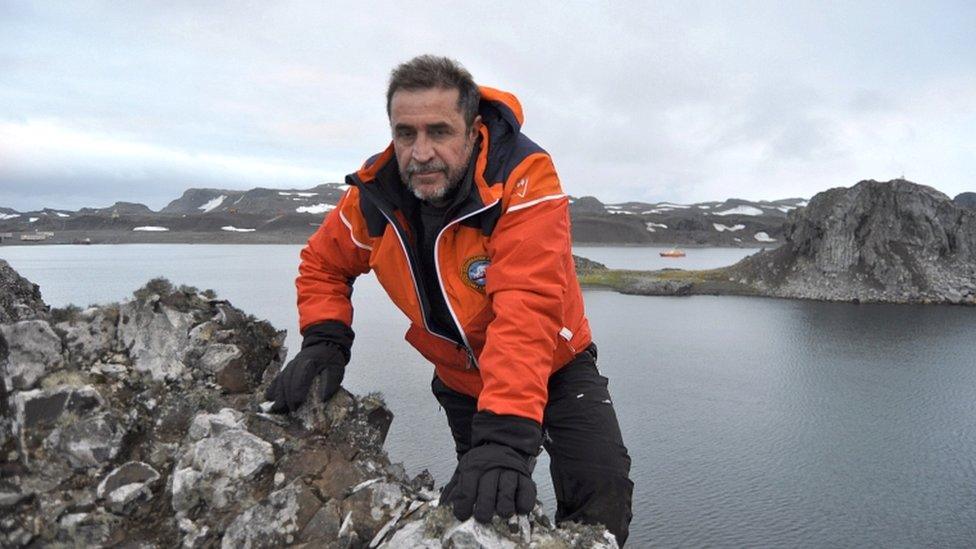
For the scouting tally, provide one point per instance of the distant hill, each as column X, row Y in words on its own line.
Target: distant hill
column 733, row 222
column 314, row 201
column 290, row 215
column 119, row 208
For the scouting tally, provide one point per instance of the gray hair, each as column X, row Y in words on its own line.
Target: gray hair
column 430, row 71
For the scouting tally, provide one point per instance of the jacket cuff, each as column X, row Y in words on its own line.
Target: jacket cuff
column 522, row 434
column 331, row 332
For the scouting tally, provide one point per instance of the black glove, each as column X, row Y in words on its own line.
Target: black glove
column 324, row 354
column 495, row 476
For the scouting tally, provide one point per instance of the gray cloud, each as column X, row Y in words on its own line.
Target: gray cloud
column 690, row 101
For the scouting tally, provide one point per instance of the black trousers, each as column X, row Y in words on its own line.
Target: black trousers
column 589, row 463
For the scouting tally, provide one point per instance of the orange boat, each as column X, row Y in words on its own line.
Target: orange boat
column 673, row 252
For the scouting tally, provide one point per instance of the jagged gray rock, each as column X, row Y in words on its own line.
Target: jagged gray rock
column 965, row 200
column 892, row 241
column 20, row 299
column 88, row 442
column 134, row 439
column 156, row 337
column 90, row 335
column 277, row 521
column 130, row 483
column 31, row 347
column 216, row 469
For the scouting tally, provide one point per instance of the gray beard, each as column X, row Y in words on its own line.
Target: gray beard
column 445, row 193
column 441, row 196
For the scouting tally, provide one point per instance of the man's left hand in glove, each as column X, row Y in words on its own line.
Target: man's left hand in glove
column 495, row 476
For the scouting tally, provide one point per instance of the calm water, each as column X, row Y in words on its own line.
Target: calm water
column 751, row 422
column 649, row 258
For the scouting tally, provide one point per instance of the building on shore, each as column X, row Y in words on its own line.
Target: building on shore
column 38, row 236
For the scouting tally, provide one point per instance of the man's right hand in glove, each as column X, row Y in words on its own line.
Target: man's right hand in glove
column 324, row 354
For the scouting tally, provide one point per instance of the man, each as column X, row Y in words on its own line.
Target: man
column 464, row 222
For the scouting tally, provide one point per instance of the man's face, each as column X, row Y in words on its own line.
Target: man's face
column 430, row 139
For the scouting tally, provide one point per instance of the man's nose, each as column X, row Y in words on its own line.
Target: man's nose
column 422, row 150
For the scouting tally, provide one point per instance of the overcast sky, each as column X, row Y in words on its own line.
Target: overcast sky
column 677, row 101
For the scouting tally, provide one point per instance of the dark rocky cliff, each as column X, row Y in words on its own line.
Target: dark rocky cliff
column 965, row 200
column 893, row 241
column 20, row 299
column 140, row 424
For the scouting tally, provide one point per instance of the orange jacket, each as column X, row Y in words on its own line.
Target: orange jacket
column 504, row 263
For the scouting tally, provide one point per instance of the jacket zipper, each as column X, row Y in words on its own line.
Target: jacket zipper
column 472, row 361
column 416, row 287
column 465, row 345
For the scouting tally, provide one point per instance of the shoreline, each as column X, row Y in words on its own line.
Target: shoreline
column 714, row 282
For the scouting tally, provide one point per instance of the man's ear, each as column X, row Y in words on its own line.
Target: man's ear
column 475, row 126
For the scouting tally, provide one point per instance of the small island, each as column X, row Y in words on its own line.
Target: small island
column 875, row 242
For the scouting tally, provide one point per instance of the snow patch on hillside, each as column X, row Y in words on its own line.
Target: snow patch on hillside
column 4, row 217
column 740, row 210
column 763, row 237
column 150, row 228
column 722, row 228
column 315, row 209
column 651, row 226
column 32, row 219
column 297, row 194
column 213, row 203
column 59, row 214
column 234, row 229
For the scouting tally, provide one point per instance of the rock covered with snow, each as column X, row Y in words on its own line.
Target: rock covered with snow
column 893, row 241
column 141, row 424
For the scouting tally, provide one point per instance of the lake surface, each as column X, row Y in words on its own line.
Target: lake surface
column 750, row 421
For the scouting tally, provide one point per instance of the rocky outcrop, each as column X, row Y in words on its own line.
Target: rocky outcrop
column 19, row 298
column 587, row 205
column 119, row 208
column 892, row 241
column 584, row 264
column 142, row 424
column 965, row 200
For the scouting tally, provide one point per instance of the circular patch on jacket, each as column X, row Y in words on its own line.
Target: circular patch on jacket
column 473, row 272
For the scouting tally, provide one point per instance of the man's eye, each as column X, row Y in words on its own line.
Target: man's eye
column 404, row 134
